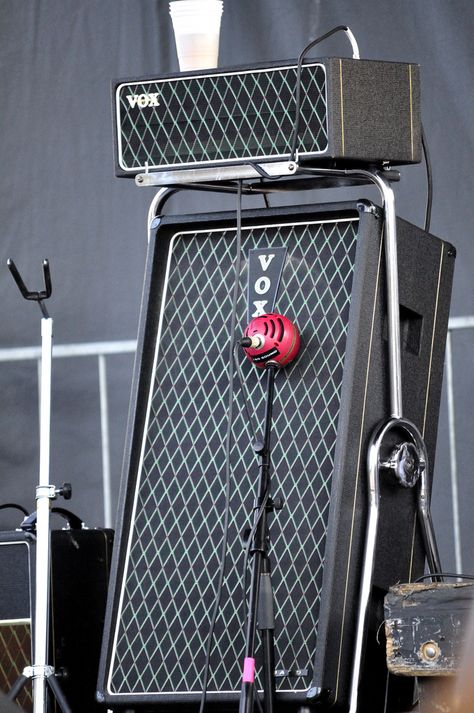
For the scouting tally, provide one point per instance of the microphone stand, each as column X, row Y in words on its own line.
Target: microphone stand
column 40, row 672
column 260, row 608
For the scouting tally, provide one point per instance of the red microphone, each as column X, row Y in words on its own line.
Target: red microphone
column 271, row 339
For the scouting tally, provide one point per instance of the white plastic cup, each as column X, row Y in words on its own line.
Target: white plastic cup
column 196, row 25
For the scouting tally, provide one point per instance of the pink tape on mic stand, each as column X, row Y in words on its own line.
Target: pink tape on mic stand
column 248, row 675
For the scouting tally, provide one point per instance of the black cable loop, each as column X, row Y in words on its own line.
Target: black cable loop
column 245, row 394
column 228, row 439
column 450, row 575
column 429, row 179
column 313, row 43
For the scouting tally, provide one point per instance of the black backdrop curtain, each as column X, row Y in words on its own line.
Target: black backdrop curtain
column 60, row 200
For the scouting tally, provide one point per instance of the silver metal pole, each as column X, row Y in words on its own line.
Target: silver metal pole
column 393, row 303
column 453, row 454
column 43, row 544
column 105, row 441
column 461, row 322
column 38, row 370
column 69, row 350
column 155, row 208
column 368, row 564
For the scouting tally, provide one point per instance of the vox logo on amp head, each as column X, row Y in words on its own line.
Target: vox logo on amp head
column 143, row 100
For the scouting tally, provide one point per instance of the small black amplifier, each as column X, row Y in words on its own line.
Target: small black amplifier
column 79, row 579
column 351, row 110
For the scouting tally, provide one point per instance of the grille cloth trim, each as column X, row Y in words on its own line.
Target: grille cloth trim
column 15, row 655
column 168, row 588
column 221, row 118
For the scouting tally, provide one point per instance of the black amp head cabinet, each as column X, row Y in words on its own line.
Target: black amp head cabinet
column 327, row 403
column 79, row 580
column 351, row 110
column 16, row 607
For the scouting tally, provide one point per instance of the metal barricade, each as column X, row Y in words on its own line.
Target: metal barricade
column 104, row 350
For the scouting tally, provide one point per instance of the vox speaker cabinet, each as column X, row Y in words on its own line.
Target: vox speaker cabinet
column 352, row 110
column 79, row 580
column 328, row 278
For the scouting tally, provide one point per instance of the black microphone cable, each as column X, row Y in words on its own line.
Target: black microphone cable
column 296, row 126
column 429, row 179
column 243, row 389
column 234, row 367
column 228, row 439
column 266, row 496
column 449, row 575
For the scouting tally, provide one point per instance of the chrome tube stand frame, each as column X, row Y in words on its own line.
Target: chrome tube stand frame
column 40, row 671
column 375, row 463
column 374, row 460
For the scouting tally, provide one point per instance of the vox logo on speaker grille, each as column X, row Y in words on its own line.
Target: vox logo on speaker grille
column 265, row 269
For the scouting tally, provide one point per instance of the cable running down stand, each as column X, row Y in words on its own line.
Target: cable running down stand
column 260, row 606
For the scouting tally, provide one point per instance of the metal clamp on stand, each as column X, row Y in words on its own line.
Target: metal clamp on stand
column 40, row 672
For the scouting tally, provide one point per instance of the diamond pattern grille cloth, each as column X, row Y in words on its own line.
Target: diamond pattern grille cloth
column 15, row 654
column 230, row 116
column 176, row 539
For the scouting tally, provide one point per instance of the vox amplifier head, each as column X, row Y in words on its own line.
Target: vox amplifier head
column 351, row 110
